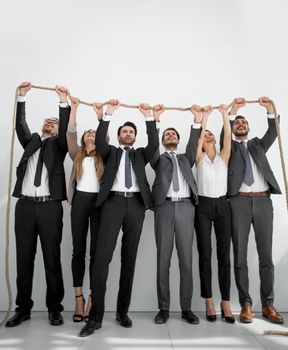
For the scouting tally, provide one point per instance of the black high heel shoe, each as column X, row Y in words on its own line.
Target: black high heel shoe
column 210, row 318
column 79, row 317
column 229, row 319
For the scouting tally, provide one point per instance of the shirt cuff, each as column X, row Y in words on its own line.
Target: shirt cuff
column 106, row 118
column 63, row 104
column 158, row 125
column 21, row 98
column 72, row 128
column 196, row 125
column 232, row 117
column 270, row 116
column 149, row 119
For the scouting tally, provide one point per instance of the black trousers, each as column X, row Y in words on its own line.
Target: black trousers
column 43, row 219
column 117, row 212
column 217, row 211
column 83, row 211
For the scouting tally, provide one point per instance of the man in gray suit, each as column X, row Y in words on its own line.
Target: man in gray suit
column 174, row 193
column 250, row 183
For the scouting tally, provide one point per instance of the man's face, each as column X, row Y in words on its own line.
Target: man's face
column 240, row 127
column 127, row 136
column 50, row 126
column 170, row 139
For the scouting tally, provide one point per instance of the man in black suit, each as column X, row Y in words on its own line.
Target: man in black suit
column 174, row 194
column 125, row 194
column 250, row 183
column 40, row 187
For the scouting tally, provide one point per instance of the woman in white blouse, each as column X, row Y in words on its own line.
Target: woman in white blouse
column 82, row 194
column 214, row 207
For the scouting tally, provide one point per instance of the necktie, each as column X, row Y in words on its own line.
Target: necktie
column 128, row 176
column 39, row 166
column 175, row 180
column 248, row 176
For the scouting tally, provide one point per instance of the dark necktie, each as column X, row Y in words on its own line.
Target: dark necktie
column 39, row 167
column 248, row 176
column 175, row 180
column 128, row 176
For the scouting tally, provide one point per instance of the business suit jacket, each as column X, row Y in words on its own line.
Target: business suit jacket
column 162, row 164
column 257, row 148
column 54, row 152
column 111, row 156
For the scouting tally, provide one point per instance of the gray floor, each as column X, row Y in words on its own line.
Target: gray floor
column 144, row 335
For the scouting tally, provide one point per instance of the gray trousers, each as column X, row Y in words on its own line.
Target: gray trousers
column 174, row 219
column 257, row 211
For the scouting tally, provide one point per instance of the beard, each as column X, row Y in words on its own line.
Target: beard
column 170, row 145
column 241, row 133
column 49, row 131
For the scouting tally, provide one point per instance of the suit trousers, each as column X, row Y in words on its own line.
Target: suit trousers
column 218, row 212
column 174, row 221
column 83, row 211
column 43, row 219
column 117, row 212
column 257, row 211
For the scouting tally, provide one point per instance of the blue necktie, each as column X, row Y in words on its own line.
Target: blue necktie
column 248, row 176
column 175, row 180
column 128, row 176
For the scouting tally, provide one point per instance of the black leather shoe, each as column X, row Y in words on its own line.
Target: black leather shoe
column 55, row 318
column 89, row 328
column 124, row 320
column 161, row 317
column 17, row 319
column 190, row 317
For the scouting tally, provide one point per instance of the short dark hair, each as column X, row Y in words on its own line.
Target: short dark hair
column 177, row 133
column 132, row 125
column 241, row 117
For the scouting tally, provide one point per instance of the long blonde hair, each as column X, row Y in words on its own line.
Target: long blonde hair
column 82, row 153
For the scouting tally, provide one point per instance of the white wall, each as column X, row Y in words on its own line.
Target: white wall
column 172, row 52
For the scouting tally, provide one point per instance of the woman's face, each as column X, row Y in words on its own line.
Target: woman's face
column 209, row 138
column 89, row 135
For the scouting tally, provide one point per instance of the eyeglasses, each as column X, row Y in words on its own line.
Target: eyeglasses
column 51, row 120
column 90, row 131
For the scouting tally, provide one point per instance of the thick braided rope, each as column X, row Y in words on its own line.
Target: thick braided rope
column 8, row 209
column 276, row 332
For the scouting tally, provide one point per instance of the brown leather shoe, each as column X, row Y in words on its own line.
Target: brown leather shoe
column 246, row 314
column 272, row 315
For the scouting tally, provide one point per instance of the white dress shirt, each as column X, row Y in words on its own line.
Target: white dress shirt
column 184, row 188
column 88, row 181
column 212, row 177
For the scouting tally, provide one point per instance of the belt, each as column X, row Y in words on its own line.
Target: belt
column 178, row 199
column 124, row 194
column 40, row 199
column 254, row 194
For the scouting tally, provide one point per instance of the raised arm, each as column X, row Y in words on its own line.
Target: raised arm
column 71, row 134
column 157, row 111
column 102, row 145
column 22, row 128
column 271, row 134
column 196, row 111
column 64, row 112
column 227, row 138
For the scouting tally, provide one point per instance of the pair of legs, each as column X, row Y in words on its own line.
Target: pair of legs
column 117, row 212
column 83, row 212
column 218, row 212
column 257, row 211
column 174, row 221
column 43, row 219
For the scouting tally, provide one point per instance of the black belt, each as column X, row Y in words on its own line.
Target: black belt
column 125, row 194
column 39, row 199
column 178, row 199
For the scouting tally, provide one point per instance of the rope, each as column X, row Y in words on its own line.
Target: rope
column 276, row 332
column 10, row 176
column 8, row 209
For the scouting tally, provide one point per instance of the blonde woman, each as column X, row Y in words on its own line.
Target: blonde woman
column 82, row 194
